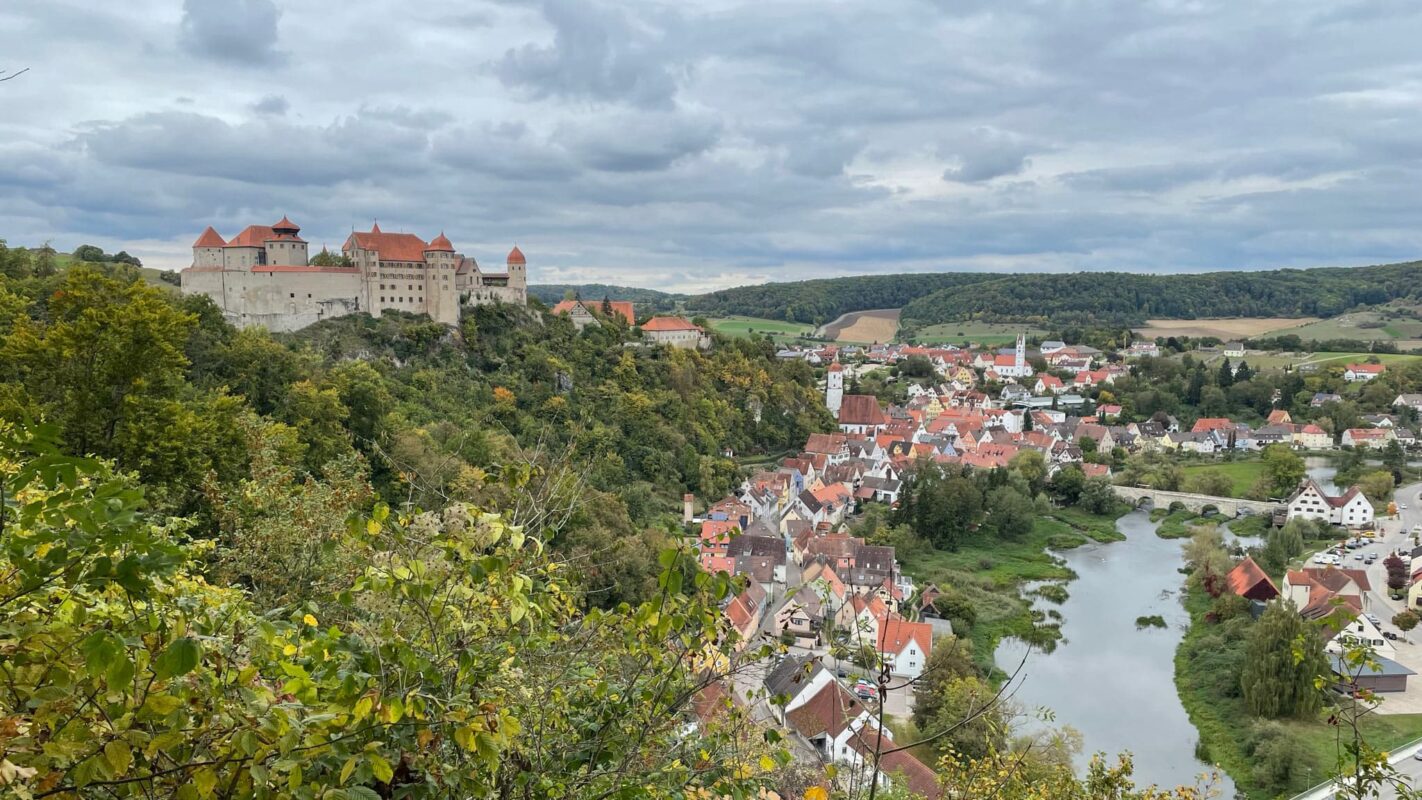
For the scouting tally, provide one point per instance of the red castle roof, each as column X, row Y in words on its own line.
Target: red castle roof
column 441, row 243
column 210, row 238
column 516, row 256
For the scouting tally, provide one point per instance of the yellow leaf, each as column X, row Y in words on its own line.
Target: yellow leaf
column 289, row 650
column 349, row 768
column 118, row 756
column 816, row 793
column 362, row 707
column 309, row 620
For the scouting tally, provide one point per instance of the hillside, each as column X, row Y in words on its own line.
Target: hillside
column 651, row 299
column 820, row 301
column 1129, row 299
column 1116, row 298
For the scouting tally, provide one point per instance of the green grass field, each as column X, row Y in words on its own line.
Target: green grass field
column 984, row 333
column 1379, row 324
column 65, row 260
column 745, row 326
column 1319, row 360
column 1242, row 474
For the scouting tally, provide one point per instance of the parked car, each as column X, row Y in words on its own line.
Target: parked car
column 865, row 690
column 1402, row 506
column 1391, row 635
column 1418, row 757
column 1373, row 618
column 1372, row 557
column 1357, row 556
column 1318, row 558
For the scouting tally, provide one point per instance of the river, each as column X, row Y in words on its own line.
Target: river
column 1113, row 683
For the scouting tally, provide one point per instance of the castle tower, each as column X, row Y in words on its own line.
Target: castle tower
column 518, row 269
column 834, row 388
column 207, row 250
column 286, row 247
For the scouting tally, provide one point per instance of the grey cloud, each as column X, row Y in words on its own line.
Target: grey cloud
column 273, row 104
column 597, row 53
column 987, row 153
column 241, row 32
column 638, row 142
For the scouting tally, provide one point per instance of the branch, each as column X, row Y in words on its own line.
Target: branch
column 13, row 75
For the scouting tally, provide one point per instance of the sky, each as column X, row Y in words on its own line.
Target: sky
column 697, row 144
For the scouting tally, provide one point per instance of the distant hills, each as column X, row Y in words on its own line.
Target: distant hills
column 1105, row 298
column 651, row 299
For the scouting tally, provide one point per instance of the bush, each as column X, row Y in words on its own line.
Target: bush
column 1406, row 620
column 1152, row 621
column 1054, row 592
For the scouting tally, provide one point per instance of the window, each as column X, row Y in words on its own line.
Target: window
column 382, row 298
column 293, row 295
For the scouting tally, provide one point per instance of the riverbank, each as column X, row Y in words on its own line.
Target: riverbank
column 1265, row 758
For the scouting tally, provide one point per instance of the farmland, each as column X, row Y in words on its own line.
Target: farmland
column 779, row 330
column 864, row 327
column 988, row 334
column 1242, row 474
column 1233, row 328
column 1399, row 324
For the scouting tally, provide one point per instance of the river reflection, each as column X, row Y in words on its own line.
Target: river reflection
column 1111, row 682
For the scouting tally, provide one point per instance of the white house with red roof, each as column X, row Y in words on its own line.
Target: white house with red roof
column 1351, row 508
column 263, row 276
column 675, row 332
column 1373, row 438
column 905, row 645
column 1353, row 373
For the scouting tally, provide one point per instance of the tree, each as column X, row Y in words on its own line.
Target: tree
column 1087, row 444
column 1394, row 460
column 1210, row 482
column 1225, row 377
column 1282, row 545
column 1032, row 466
column 170, row 686
column 1283, row 468
column 1097, row 496
column 1396, row 572
column 1284, row 656
column 1406, row 620
column 966, row 707
column 1010, row 512
column 1207, row 561
column 1068, row 483
column 1377, row 486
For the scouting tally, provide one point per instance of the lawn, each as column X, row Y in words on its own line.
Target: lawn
column 779, row 330
column 990, row 334
column 1258, row 361
column 1382, row 323
column 1242, row 474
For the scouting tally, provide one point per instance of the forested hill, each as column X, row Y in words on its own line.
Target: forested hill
column 652, row 299
column 1128, row 299
column 1082, row 297
column 820, row 301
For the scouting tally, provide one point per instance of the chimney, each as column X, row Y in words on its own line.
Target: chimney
column 686, row 501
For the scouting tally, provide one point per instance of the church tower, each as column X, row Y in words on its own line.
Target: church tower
column 1019, row 359
column 834, row 388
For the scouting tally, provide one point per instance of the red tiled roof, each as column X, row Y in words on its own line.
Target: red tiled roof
column 668, row 324
column 829, row 712
column 861, row 409
column 516, row 256
column 209, row 238
column 392, row 246
column 252, row 236
column 1246, row 578
column 1375, row 369
column 896, row 633
column 441, row 243
column 1207, row 424
column 285, row 224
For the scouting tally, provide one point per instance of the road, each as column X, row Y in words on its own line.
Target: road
column 1404, row 760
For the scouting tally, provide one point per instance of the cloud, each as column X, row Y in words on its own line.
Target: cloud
column 273, row 104
column 987, row 153
column 597, row 52
column 702, row 144
column 242, row 32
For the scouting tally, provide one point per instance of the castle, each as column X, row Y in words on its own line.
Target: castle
column 263, row 276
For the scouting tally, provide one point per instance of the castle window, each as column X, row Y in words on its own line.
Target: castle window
column 382, row 298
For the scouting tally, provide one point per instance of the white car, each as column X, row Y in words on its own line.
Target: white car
column 1318, row 558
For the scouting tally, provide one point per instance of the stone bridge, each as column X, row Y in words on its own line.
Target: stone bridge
column 1228, row 506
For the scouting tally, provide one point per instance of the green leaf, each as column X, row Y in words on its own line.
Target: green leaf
column 381, row 769
column 180, row 658
column 119, row 757
column 349, row 768
column 362, row 793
